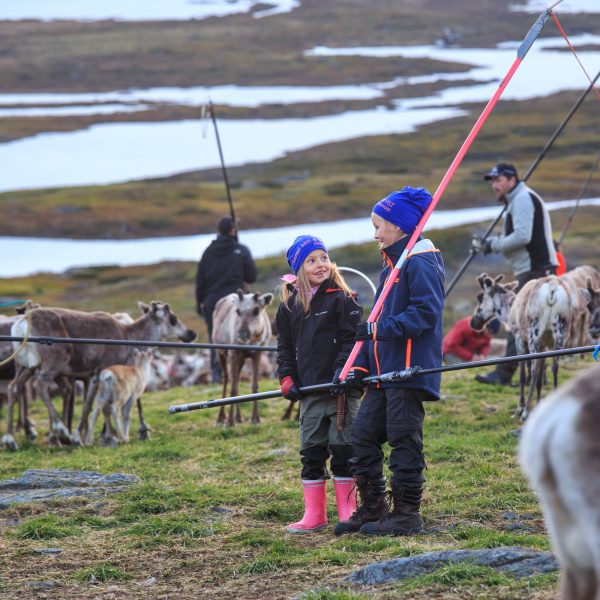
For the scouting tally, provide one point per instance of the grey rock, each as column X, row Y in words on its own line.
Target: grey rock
column 148, row 582
column 41, row 585
column 51, row 551
column 518, row 562
column 39, row 485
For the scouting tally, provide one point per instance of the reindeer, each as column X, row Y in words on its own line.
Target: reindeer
column 539, row 317
column 7, row 370
column 119, row 387
column 580, row 323
column 560, row 455
column 240, row 318
column 46, row 363
column 592, row 298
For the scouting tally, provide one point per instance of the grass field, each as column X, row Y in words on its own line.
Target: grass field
column 208, row 518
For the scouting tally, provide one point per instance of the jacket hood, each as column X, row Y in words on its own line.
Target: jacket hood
column 223, row 245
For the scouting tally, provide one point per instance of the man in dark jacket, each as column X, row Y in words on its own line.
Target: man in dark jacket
column 225, row 267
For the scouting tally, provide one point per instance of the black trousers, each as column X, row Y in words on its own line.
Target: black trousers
column 393, row 415
column 507, row 370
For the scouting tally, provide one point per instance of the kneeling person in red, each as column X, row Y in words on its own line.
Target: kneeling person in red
column 407, row 332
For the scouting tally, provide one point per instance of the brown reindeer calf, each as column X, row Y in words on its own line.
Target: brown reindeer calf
column 119, row 387
column 560, row 455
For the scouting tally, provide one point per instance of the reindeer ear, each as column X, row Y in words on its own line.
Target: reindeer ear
column 488, row 282
column 167, row 307
column 240, row 294
column 266, row 299
column 154, row 305
column 481, row 278
column 144, row 308
column 498, row 278
column 512, row 286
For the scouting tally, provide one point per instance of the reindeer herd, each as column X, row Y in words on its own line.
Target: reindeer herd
column 547, row 313
column 114, row 376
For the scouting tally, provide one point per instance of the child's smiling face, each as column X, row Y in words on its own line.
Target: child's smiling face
column 386, row 233
column 317, row 267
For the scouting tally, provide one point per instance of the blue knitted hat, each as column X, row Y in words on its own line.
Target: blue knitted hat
column 404, row 208
column 303, row 245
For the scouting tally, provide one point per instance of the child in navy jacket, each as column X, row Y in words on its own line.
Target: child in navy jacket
column 407, row 332
column 316, row 324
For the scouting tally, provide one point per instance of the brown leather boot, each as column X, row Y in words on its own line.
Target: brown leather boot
column 403, row 518
column 370, row 506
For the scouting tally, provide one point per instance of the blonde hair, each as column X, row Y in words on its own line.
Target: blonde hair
column 303, row 287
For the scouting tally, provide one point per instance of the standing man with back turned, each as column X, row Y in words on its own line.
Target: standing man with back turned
column 526, row 243
column 225, row 267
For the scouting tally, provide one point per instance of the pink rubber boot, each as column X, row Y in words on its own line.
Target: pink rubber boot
column 315, row 508
column 345, row 496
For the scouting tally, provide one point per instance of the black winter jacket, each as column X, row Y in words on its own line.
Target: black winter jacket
column 311, row 347
column 224, row 268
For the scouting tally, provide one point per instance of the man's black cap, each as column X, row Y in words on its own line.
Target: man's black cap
column 505, row 169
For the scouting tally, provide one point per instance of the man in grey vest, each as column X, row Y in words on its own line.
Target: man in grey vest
column 526, row 244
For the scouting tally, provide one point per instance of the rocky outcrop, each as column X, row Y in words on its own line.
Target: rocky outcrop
column 40, row 485
column 518, row 562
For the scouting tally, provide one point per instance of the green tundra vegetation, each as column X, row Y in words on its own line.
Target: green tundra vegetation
column 209, row 517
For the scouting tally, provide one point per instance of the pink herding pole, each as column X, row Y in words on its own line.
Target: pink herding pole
column 521, row 52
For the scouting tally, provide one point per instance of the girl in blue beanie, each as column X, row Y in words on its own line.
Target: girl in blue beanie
column 316, row 323
column 407, row 332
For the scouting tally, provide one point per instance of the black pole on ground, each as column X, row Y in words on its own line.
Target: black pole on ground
column 386, row 377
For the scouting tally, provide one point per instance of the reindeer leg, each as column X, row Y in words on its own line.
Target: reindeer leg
column 536, row 372
column 239, row 363
column 58, row 431
column 255, row 368
column 15, row 387
column 99, row 405
column 25, row 399
column 523, row 367
column 144, row 429
column 540, row 379
column 120, row 424
column 560, row 334
column 222, row 418
column 82, row 429
column 67, row 391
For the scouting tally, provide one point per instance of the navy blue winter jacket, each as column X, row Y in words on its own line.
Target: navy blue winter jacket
column 409, row 327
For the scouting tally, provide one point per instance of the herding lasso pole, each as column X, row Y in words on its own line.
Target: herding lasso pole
column 521, row 52
column 532, row 168
column 210, row 109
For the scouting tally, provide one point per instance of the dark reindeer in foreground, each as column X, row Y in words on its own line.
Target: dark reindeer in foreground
column 240, row 318
column 82, row 361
